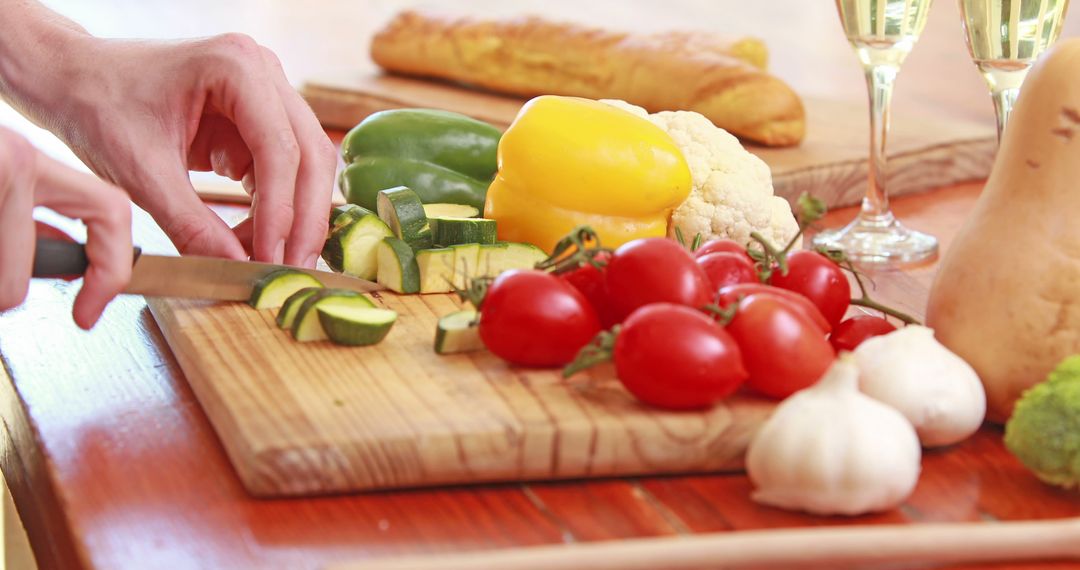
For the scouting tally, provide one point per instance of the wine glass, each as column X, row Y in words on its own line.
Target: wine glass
column 1005, row 37
column 882, row 33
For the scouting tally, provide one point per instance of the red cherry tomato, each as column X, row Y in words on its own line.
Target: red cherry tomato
column 852, row 332
column 654, row 270
column 733, row 293
column 819, row 279
column 590, row 281
column 725, row 268
column 533, row 318
column 721, row 245
column 675, row 357
column 783, row 351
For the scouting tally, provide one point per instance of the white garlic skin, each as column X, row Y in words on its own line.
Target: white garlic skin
column 830, row 450
column 936, row 390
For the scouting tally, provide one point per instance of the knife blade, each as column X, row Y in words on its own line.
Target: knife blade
column 189, row 276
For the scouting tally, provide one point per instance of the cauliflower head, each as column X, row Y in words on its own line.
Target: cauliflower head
column 1044, row 430
column 732, row 193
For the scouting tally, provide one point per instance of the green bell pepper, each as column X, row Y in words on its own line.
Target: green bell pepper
column 444, row 157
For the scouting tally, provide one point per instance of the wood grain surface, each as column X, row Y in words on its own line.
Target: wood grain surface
column 315, row 418
column 926, row 150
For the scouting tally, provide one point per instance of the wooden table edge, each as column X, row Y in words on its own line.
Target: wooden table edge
column 33, row 488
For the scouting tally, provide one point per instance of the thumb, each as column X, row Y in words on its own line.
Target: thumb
column 192, row 227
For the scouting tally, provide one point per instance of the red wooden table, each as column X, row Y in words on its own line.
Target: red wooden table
column 112, row 462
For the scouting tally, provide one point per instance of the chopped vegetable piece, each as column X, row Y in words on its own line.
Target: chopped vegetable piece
column 271, row 291
column 466, row 261
column 398, row 270
column 447, row 231
column 458, row 332
column 306, row 326
column 343, row 215
column 402, row 210
column 355, row 325
column 287, row 314
column 450, row 211
column 436, row 270
column 352, row 247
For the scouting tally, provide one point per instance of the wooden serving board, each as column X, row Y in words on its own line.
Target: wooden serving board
column 925, row 152
column 316, row 418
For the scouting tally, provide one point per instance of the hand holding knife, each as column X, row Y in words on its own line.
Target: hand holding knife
column 191, row 277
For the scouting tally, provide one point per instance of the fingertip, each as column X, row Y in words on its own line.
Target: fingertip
column 86, row 311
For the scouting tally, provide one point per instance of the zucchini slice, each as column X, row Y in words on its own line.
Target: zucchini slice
column 522, row 256
column 398, row 271
column 450, row 211
column 287, row 314
column 466, row 264
column 271, row 291
column 500, row 257
column 306, row 326
column 402, row 210
column 436, row 270
column 344, row 215
column 351, row 248
column 447, row 231
column 489, row 261
column 458, row 332
column 355, row 325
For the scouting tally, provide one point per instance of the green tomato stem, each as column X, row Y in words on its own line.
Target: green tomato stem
column 597, row 352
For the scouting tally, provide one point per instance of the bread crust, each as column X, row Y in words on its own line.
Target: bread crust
column 723, row 79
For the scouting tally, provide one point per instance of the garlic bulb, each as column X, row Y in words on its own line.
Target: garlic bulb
column 829, row 449
column 936, row 390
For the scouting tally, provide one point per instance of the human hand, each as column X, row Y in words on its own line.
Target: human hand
column 29, row 178
column 142, row 114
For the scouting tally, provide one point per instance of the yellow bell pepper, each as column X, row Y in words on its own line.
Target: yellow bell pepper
column 566, row 162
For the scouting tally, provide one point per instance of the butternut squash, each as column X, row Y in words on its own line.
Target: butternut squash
column 1007, row 295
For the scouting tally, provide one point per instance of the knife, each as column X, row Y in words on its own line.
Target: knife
column 189, row 276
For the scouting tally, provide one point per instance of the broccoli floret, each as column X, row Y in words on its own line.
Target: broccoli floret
column 1044, row 430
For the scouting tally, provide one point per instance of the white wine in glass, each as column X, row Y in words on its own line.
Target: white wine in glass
column 882, row 32
column 1005, row 37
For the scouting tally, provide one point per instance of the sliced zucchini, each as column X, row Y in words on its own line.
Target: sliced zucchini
column 453, row 231
column 466, row 260
column 458, row 332
column 343, row 215
column 287, row 313
column 489, row 262
column 306, row 326
column 450, row 211
column 436, row 270
column 398, row 271
column 355, row 325
column 402, row 210
column 522, row 256
column 271, row 291
column 351, row 249
column 494, row 259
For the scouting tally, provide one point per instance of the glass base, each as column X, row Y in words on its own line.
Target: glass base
column 880, row 240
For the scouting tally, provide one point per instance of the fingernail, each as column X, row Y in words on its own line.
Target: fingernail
column 279, row 252
column 310, row 263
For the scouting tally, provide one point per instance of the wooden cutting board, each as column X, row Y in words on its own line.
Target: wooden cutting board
column 925, row 152
column 316, row 418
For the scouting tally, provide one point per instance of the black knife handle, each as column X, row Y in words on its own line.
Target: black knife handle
column 61, row 258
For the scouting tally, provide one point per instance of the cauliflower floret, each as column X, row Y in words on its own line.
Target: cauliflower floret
column 732, row 193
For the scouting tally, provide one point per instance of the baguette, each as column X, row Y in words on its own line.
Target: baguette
column 721, row 79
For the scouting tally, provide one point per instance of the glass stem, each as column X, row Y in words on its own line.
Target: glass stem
column 879, row 80
column 1004, row 99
